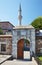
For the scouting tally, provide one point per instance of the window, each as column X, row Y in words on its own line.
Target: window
column 3, row 47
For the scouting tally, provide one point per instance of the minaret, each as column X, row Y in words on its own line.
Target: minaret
column 19, row 15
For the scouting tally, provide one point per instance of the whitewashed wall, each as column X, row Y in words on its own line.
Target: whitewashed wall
column 29, row 35
column 33, row 40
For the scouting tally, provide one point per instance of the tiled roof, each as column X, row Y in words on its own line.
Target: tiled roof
column 6, row 25
column 6, row 22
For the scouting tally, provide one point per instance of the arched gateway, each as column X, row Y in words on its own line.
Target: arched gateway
column 19, row 34
column 22, row 45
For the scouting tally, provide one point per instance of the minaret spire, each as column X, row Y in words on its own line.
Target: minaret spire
column 19, row 14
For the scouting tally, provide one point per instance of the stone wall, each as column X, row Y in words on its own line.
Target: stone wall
column 7, row 40
column 39, row 44
column 28, row 34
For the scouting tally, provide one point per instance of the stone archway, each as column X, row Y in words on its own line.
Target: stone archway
column 21, row 47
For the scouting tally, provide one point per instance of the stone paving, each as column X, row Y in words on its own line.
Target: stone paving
column 4, row 57
column 20, row 62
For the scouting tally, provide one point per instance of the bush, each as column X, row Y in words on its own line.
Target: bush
column 1, row 31
column 38, row 60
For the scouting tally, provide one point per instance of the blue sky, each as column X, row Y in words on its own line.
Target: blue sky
column 31, row 9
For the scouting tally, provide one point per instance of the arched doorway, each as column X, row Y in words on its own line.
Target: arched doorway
column 23, row 44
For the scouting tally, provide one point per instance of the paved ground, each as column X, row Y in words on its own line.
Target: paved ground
column 4, row 57
column 20, row 62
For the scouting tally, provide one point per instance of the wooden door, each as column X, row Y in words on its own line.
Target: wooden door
column 20, row 49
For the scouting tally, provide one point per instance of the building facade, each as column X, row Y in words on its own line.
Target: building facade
column 6, row 27
column 39, row 42
column 16, row 40
column 6, row 37
column 19, row 34
column 5, row 44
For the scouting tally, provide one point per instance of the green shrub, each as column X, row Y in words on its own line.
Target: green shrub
column 1, row 31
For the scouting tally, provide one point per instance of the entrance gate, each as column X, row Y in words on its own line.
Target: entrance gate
column 20, row 33
column 21, row 46
column 20, row 49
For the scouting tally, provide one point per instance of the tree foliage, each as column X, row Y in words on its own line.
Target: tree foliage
column 26, row 41
column 37, row 23
column 1, row 31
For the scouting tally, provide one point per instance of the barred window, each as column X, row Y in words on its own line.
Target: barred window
column 3, row 47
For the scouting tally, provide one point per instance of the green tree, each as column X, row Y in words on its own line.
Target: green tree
column 37, row 23
column 1, row 31
column 26, row 41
